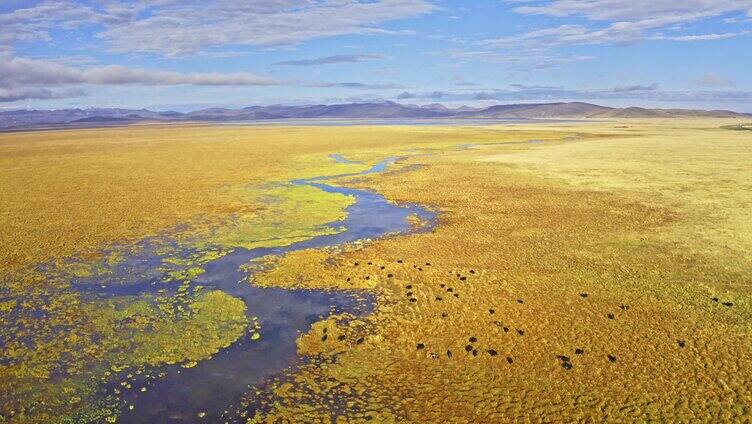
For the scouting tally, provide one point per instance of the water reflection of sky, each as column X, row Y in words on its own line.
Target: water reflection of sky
column 214, row 384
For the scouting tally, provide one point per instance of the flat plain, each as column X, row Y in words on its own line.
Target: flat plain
column 576, row 271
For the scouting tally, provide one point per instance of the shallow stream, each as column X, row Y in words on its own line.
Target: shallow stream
column 213, row 385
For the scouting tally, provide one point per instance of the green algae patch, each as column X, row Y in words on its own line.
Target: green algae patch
column 199, row 257
column 187, row 267
column 286, row 214
column 185, row 274
column 53, row 369
column 214, row 321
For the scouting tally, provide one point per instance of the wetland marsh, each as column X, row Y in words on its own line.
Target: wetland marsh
column 569, row 271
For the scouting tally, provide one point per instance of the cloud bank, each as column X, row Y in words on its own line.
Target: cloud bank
column 16, row 71
column 177, row 28
column 642, row 93
column 619, row 21
column 713, row 80
column 37, row 93
column 24, row 78
column 341, row 58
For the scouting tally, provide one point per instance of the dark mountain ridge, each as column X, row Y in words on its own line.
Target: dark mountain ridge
column 17, row 119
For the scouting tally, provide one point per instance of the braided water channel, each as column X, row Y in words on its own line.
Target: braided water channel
column 202, row 393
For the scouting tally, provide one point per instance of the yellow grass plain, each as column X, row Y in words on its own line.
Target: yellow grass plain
column 71, row 192
column 623, row 249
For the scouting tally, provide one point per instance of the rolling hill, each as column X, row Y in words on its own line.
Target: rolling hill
column 19, row 119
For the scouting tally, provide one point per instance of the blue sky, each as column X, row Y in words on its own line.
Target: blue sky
column 190, row 54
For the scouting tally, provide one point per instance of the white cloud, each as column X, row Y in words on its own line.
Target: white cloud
column 535, row 93
column 519, row 62
column 636, row 10
column 17, row 72
column 177, row 28
column 713, row 80
column 617, row 33
column 24, row 78
column 638, row 93
column 13, row 94
column 190, row 26
column 701, row 37
column 341, row 58
column 636, row 87
column 357, row 85
column 618, row 21
column 33, row 23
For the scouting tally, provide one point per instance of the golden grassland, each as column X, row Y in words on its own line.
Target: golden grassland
column 698, row 170
column 71, row 192
column 567, row 280
column 87, row 195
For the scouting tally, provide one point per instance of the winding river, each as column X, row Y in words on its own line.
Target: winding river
column 212, row 386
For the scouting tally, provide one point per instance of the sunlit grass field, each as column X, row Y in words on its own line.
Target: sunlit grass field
column 601, row 273
column 71, row 192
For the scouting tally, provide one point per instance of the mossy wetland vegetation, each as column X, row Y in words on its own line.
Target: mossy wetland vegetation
column 601, row 273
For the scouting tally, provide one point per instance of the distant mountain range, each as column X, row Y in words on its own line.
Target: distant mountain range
column 20, row 119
